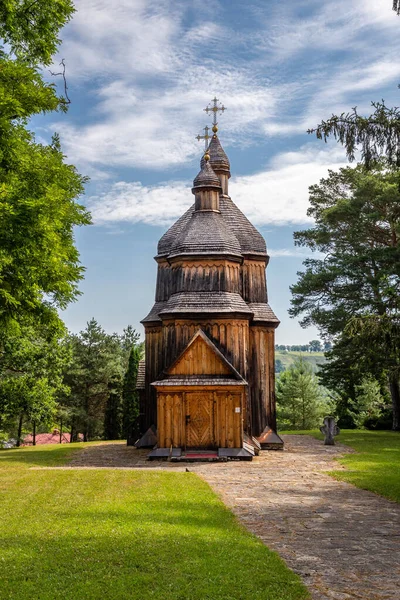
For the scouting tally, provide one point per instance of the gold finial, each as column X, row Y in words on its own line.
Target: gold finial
column 206, row 157
column 215, row 109
column 204, row 137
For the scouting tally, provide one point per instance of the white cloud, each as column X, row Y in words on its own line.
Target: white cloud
column 134, row 202
column 159, row 131
column 277, row 196
column 288, row 253
column 153, row 67
column 122, row 37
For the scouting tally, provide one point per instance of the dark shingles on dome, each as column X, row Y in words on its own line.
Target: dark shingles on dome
column 169, row 237
column 206, row 178
column 250, row 239
column 205, row 233
column 205, row 302
column 233, row 233
column 218, row 159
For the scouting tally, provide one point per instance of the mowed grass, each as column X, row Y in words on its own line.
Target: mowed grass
column 119, row 534
column 375, row 466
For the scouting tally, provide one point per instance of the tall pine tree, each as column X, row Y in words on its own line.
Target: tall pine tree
column 131, row 397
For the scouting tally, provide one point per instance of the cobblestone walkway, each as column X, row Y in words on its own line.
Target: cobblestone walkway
column 344, row 542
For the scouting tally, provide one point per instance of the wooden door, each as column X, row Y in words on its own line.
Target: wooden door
column 200, row 420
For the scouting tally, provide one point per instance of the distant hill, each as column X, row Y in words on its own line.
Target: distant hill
column 287, row 358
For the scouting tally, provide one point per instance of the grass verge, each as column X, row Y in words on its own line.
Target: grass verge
column 118, row 534
column 376, row 464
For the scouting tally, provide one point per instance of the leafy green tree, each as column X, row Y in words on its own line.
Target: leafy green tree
column 279, row 366
column 315, row 346
column 39, row 263
column 130, row 395
column 300, row 401
column 357, row 228
column 31, row 28
column 32, row 359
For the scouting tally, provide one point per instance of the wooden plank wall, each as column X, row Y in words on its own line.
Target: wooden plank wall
column 228, row 424
column 200, row 360
column 262, row 379
column 230, row 336
column 248, row 279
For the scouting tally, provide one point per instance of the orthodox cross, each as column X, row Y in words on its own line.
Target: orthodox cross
column 204, row 137
column 215, row 109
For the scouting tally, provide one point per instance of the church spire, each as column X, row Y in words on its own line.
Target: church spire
column 218, row 158
column 206, row 187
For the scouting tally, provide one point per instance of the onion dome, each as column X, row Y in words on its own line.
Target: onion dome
column 167, row 241
column 205, row 234
column 250, row 239
column 218, row 159
column 206, row 178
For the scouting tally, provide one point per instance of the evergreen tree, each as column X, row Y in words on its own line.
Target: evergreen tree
column 130, row 396
column 369, row 403
column 346, row 366
column 355, row 288
column 300, row 401
column 95, row 363
column 113, row 411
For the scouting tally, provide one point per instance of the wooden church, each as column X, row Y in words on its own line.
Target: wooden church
column 208, row 380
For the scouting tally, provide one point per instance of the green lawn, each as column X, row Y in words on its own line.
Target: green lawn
column 376, row 464
column 117, row 534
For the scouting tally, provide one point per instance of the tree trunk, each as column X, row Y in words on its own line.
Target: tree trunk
column 61, row 424
column 34, row 434
column 19, row 434
column 395, row 393
column 72, row 434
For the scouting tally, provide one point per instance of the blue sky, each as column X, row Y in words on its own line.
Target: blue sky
column 139, row 75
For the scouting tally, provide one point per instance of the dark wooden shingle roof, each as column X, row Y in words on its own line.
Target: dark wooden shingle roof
column 205, row 302
column 205, row 233
column 249, row 239
column 263, row 312
column 206, row 178
column 218, row 159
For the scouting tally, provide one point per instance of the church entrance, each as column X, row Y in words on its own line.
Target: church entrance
column 200, row 420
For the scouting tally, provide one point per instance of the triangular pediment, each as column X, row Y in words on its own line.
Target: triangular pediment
column 202, row 358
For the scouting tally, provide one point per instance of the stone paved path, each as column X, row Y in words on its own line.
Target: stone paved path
column 344, row 542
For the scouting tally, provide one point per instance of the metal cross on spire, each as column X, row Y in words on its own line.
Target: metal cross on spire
column 215, row 109
column 204, row 137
